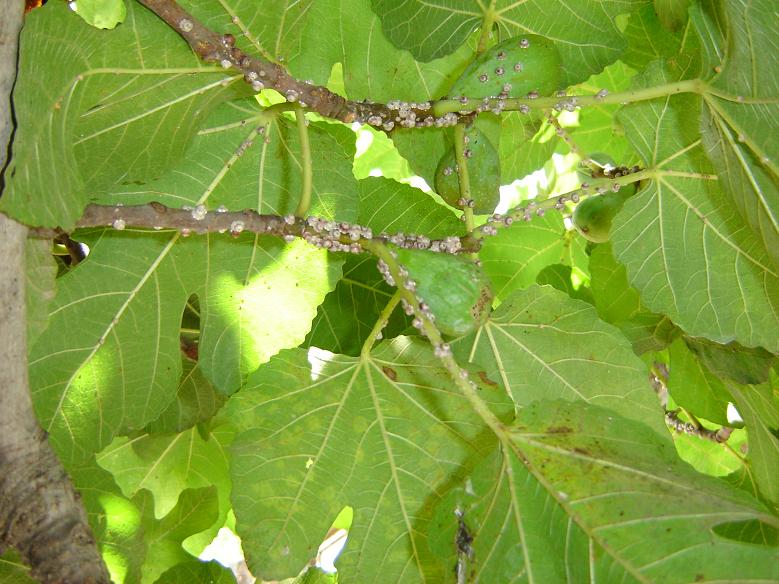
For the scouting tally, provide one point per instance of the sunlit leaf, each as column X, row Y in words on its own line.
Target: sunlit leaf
column 541, row 344
column 384, row 434
column 686, row 250
column 740, row 114
column 40, row 286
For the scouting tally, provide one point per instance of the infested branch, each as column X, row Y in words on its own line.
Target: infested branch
column 696, row 428
column 261, row 73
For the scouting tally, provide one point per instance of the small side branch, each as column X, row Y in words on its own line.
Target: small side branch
column 696, row 429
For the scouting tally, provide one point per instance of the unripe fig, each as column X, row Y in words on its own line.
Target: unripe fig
column 513, row 68
column 593, row 216
column 456, row 291
column 483, row 174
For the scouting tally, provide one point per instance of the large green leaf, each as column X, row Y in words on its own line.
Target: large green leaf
column 584, row 30
column 686, row 249
column 541, row 344
column 257, row 294
column 581, row 495
column 740, row 117
column 95, row 106
column 645, row 512
column 385, row 434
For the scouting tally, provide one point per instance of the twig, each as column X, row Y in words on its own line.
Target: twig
column 695, row 428
column 381, row 322
column 463, row 177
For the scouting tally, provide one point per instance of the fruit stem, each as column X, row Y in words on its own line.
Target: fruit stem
column 462, row 174
column 305, row 153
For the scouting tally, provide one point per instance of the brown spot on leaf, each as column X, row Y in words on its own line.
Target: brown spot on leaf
column 486, row 380
column 390, row 372
column 559, row 430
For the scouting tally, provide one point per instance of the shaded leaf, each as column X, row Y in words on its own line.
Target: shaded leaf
column 694, row 387
column 196, row 401
column 559, row 276
column 648, row 40
column 195, row 572
column 672, row 13
column 584, row 31
column 759, row 408
column 195, row 511
column 732, row 361
column 13, row 570
column 514, row 257
column 346, row 317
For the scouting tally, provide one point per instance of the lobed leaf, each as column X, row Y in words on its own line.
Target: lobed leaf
column 119, row 105
column 540, row 345
column 385, row 434
column 686, row 250
column 584, row 31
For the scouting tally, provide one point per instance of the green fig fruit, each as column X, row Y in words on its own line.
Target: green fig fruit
column 593, row 216
column 455, row 289
column 513, row 68
column 483, row 174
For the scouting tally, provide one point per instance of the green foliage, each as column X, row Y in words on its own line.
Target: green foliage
column 194, row 382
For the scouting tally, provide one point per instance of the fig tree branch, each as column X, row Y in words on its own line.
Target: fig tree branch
column 260, row 73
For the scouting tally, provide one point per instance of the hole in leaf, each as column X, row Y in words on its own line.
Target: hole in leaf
column 335, row 541
column 190, row 328
column 749, row 531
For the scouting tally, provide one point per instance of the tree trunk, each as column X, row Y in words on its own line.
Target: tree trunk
column 40, row 513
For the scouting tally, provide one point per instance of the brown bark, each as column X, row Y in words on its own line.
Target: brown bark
column 40, row 513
